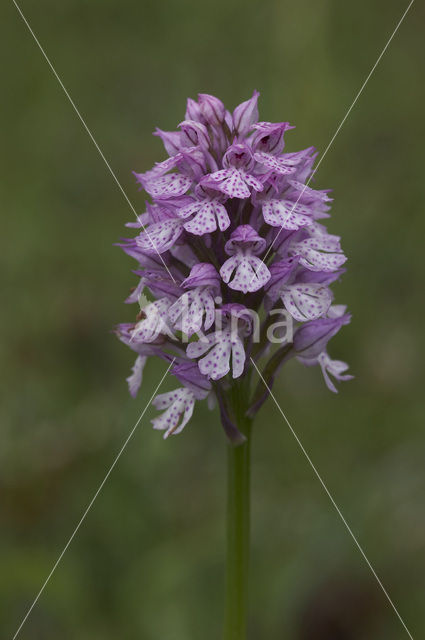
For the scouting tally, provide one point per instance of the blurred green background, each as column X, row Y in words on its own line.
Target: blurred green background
column 148, row 561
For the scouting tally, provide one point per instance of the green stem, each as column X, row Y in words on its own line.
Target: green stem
column 238, row 502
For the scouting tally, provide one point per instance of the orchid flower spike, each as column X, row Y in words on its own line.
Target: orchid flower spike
column 233, row 236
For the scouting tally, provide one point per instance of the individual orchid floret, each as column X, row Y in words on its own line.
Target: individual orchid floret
column 160, row 236
column 320, row 253
column 187, row 372
column 268, row 137
column 235, row 179
column 224, row 348
column 195, row 309
column 244, row 271
column 194, row 134
column 286, row 214
column 220, row 348
column 178, row 409
column 208, row 212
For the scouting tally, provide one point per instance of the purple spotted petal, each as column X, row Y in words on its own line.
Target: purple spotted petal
column 160, row 237
column 285, row 214
column 306, row 301
column 209, row 216
column 173, row 184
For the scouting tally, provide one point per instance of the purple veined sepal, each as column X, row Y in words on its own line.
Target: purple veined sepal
column 194, row 163
column 268, row 137
column 194, row 134
column 312, row 337
column 245, row 115
column 211, row 112
column 244, row 271
column 193, row 111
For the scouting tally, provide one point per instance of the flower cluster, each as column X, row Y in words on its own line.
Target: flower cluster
column 232, row 231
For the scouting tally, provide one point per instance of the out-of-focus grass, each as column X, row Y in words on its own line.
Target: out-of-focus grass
column 148, row 561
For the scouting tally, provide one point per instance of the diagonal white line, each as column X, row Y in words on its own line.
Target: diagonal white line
column 130, row 435
column 90, row 134
column 343, row 121
column 319, row 477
